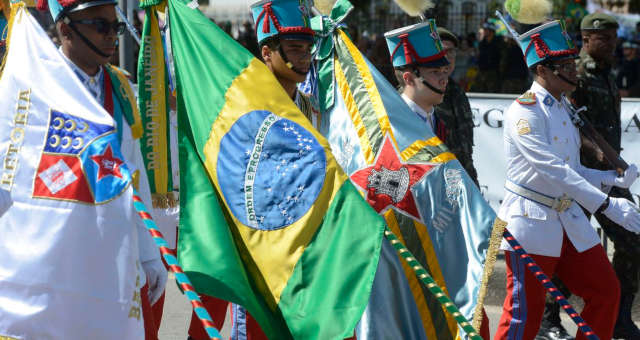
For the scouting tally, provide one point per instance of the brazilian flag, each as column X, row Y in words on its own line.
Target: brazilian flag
column 268, row 218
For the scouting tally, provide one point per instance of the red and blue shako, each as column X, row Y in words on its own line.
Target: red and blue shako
column 58, row 8
column 549, row 41
column 416, row 45
column 287, row 19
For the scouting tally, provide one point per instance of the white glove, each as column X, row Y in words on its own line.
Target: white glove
column 630, row 176
column 624, row 213
column 5, row 201
column 156, row 278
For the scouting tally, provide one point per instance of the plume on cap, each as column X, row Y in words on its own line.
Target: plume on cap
column 324, row 6
column 414, row 7
column 529, row 11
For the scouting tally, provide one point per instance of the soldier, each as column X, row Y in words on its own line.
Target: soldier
column 455, row 111
column 88, row 32
column 597, row 90
column 285, row 40
column 422, row 70
column 546, row 185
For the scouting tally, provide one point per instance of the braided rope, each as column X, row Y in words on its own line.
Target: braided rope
column 433, row 287
column 174, row 266
column 551, row 288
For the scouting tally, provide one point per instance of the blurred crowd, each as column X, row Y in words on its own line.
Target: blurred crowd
column 488, row 61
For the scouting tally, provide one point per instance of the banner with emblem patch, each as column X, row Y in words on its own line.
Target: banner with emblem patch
column 268, row 218
column 409, row 176
column 69, row 245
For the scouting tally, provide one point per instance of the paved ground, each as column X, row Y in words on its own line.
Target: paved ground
column 177, row 312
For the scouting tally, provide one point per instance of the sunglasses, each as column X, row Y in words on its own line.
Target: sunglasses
column 564, row 67
column 103, row 26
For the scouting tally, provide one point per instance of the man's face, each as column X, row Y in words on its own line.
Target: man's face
column 452, row 51
column 629, row 53
column 298, row 53
column 105, row 42
column 436, row 77
column 601, row 45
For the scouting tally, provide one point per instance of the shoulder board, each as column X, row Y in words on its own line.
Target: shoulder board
column 529, row 98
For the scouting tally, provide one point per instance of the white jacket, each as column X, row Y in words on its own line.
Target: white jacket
column 543, row 154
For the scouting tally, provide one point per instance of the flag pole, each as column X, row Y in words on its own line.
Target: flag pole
column 174, row 266
column 433, row 287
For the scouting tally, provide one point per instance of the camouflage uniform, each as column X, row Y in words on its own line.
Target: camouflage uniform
column 456, row 114
column 597, row 91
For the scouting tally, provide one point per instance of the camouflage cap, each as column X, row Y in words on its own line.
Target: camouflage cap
column 598, row 21
column 445, row 34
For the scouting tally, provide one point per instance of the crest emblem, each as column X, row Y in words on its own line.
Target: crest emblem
column 80, row 162
column 523, row 127
column 388, row 182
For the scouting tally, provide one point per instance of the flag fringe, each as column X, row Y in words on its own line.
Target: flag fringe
column 14, row 12
column 165, row 201
column 489, row 263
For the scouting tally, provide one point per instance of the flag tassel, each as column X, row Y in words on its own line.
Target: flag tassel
column 494, row 243
column 174, row 266
column 433, row 287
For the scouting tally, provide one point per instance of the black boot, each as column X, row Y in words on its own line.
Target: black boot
column 625, row 328
column 551, row 327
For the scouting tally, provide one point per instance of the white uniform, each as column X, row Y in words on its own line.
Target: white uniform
column 543, row 154
column 130, row 149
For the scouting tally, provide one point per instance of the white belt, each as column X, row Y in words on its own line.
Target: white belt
column 558, row 204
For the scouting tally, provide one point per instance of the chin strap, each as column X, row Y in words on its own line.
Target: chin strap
column 86, row 40
column 288, row 63
column 431, row 87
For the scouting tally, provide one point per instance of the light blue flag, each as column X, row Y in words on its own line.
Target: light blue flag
column 409, row 176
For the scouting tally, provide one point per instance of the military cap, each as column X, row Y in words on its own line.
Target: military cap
column 287, row 19
column 445, row 34
column 416, row 45
column 549, row 41
column 598, row 21
column 58, row 8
